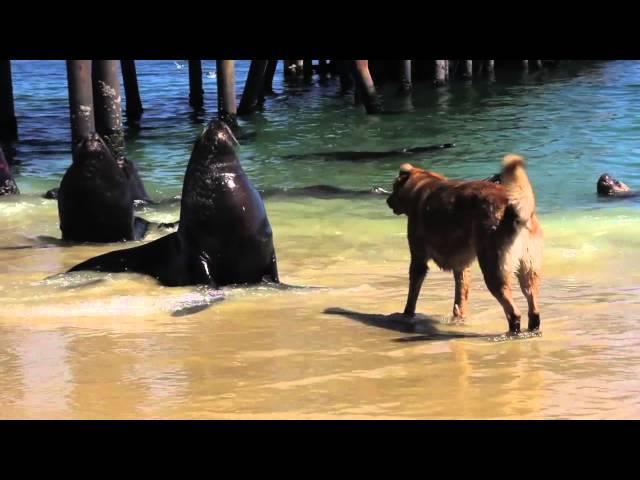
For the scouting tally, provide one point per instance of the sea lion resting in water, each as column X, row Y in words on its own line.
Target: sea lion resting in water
column 95, row 201
column 322, row 191
column 363, row 156
column 7, row 183
column 224, row 235
column 608, row 186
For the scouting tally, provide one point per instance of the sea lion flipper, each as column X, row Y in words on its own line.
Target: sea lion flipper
column 168, row 226
column 162, row 259
column 140, row 228
column 272, row 270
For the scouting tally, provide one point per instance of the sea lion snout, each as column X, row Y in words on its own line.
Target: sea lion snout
column 93, row 143
column 220, row 136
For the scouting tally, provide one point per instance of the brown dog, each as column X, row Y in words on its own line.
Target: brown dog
column 455, row 222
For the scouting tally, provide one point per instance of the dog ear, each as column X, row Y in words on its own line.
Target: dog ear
column 405, row 169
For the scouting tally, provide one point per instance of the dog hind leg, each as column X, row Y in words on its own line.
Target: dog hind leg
column 463, row 281
column 498, row 283
column 530, row 286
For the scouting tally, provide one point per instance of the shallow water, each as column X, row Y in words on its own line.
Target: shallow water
column 120, row 346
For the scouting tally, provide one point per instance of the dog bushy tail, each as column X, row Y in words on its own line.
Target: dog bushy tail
column 516, row 182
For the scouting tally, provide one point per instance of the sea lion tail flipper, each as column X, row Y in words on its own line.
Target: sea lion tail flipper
column 148, row 259
column 117, row 261
column 516, row 182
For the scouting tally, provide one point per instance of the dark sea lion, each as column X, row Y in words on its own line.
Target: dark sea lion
column 136, row 186
column 224, row 236
column 610, row 187
column 95, row 202
column 322, row 191
column 7, row 183
column 363, row 156
column 135, row 182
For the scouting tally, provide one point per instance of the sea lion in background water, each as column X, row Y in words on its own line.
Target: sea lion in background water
column 95, row 201
column 7, row 183
column 321, row 191
column 363, row 156
column 224, row 235
column 609, row 187
column 311, row 191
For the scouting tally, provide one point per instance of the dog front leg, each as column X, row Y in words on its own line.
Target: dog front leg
column 417, row 271
column 463, row 280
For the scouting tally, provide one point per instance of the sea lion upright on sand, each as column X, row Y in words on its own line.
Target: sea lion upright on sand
column 95, row 201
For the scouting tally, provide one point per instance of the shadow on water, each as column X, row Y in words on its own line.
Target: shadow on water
column 191, row 307
column 423, row 326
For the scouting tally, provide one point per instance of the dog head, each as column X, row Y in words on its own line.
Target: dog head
column 409, row 179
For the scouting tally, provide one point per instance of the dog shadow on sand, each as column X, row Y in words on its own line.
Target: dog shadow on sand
column 422, row 327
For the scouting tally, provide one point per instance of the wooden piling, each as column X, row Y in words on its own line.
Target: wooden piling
column 344, row 70
column 80, row 99
column 307, row 69
column 226, row 81
column 467, row 69
column 253, row 87
column 405, row 76
column 489, row 66
column 196, row 93
column 267, row 89
column 287, row 68
column 323, row 68
column 366, row 87
column 441, row 73
column 8, row 122
column 131, row 92
column 107, row 104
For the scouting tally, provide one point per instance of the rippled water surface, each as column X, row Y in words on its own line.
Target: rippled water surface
column 120, row 346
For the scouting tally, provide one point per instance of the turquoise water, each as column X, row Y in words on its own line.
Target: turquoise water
column 266, row 354
column 571, row 124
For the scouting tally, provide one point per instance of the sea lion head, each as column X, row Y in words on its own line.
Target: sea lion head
column 607, row 185
column 219, row 137
column 92, row 149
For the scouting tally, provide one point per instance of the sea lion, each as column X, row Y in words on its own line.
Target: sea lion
column 95, row 201
column 356, row 156
column 610, row 187
column 224, row 236
column 322, row 191
column 136, row 186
